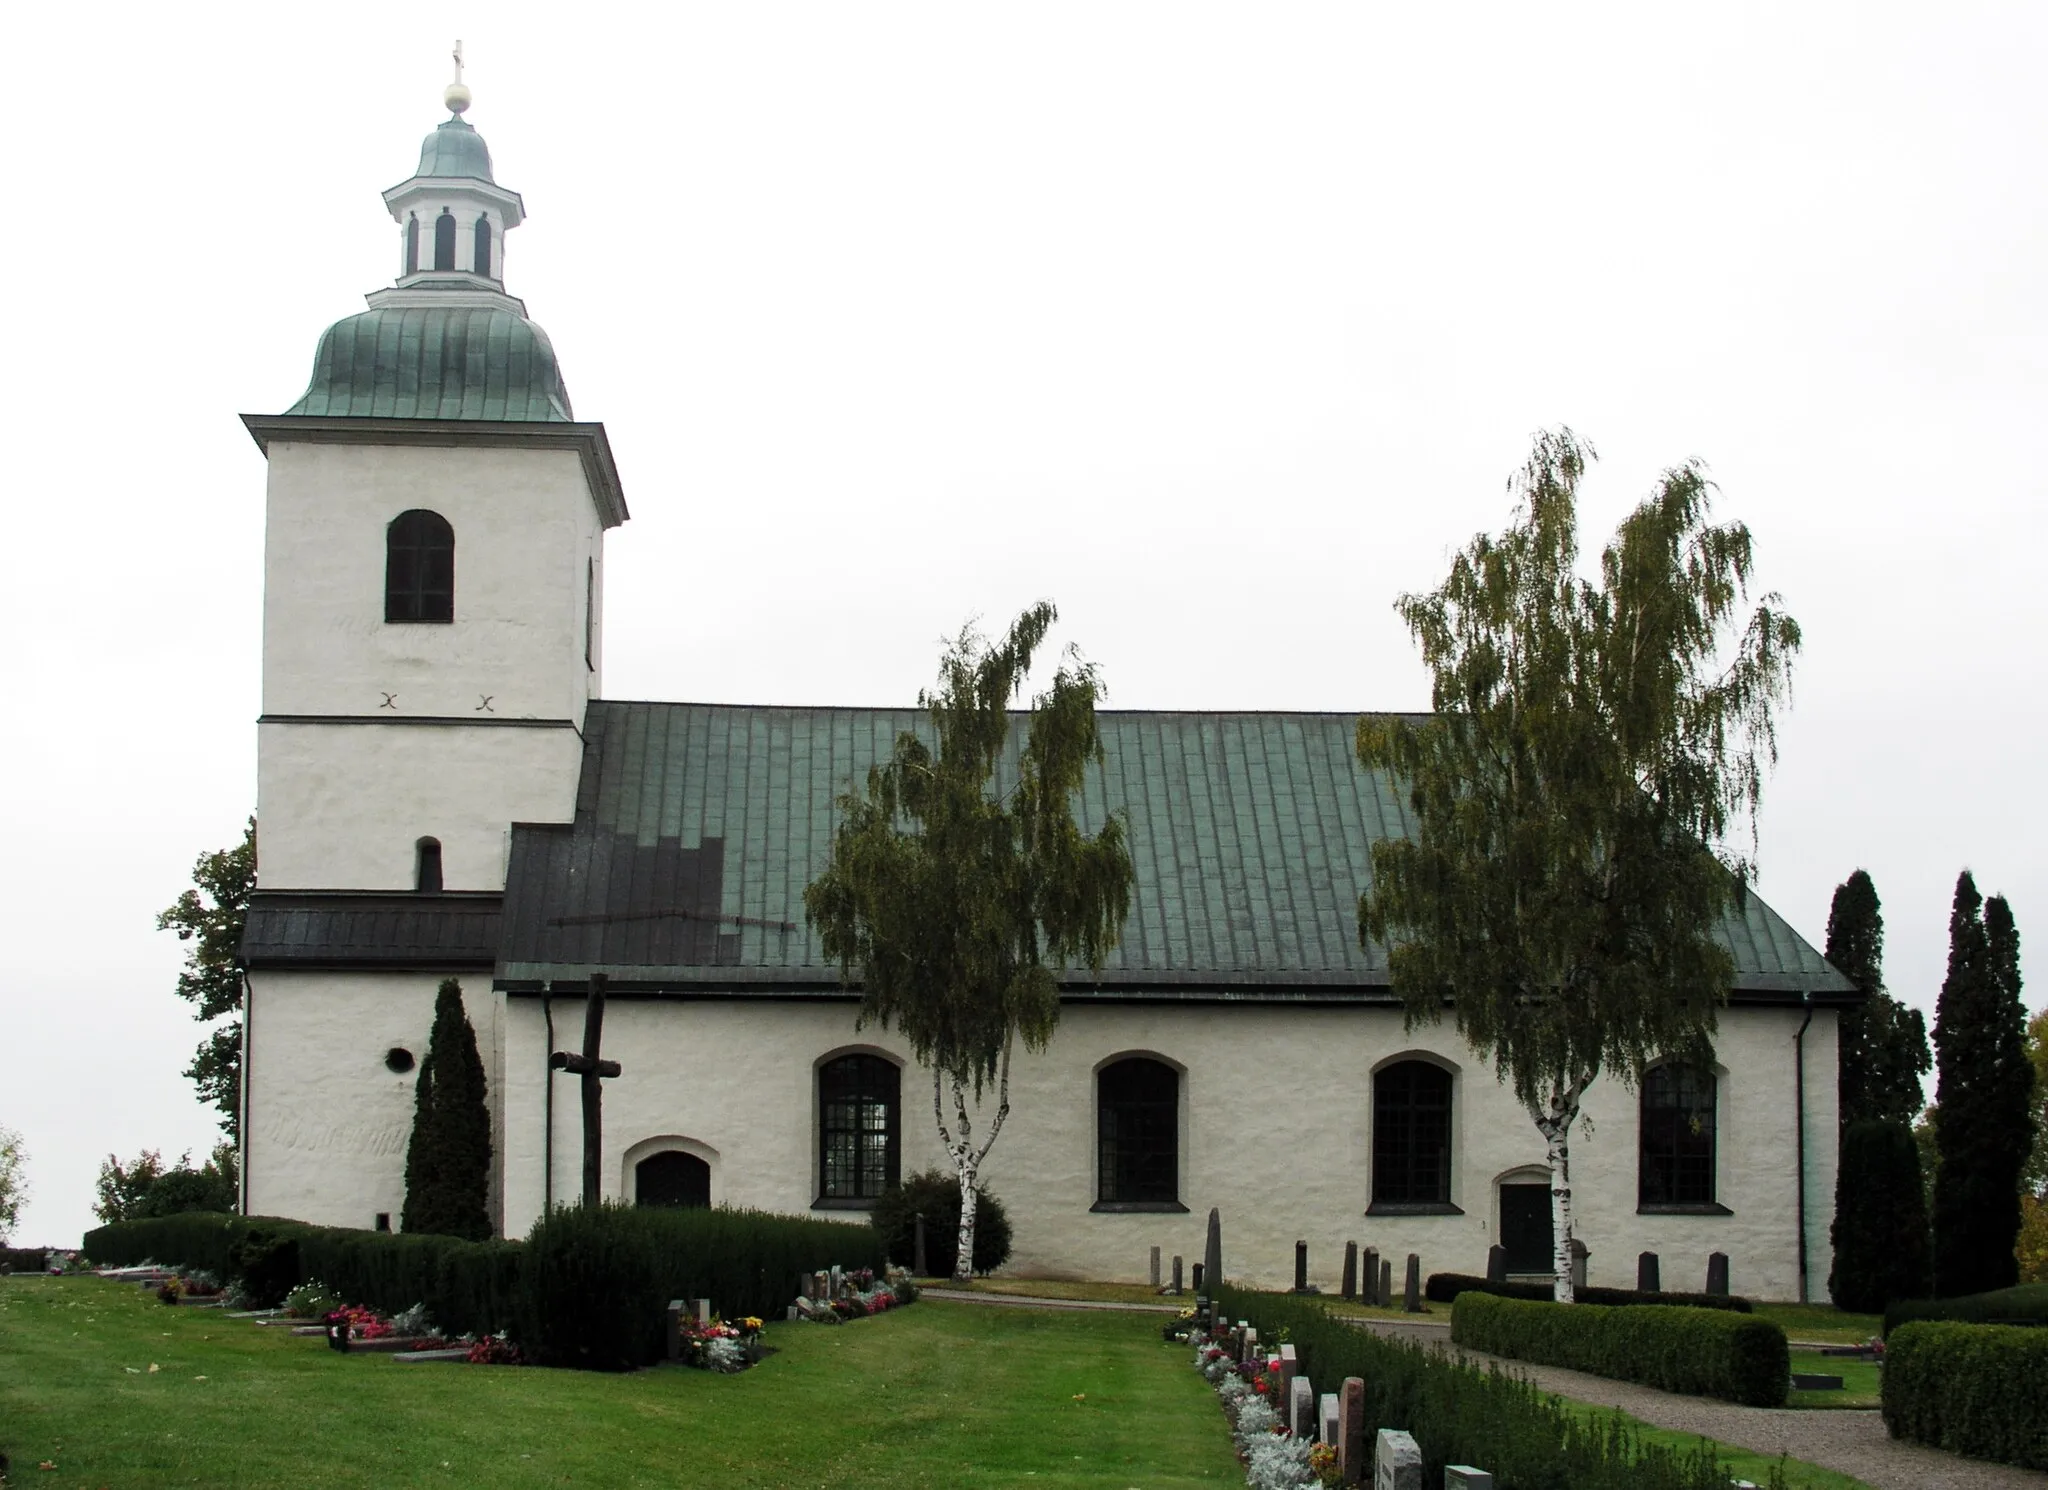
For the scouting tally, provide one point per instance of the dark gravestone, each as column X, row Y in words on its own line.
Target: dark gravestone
column 1412, row 1285
column 1212, row 1251
column 1301, row 1267
column 1350, row 1289
column 1199, row 1270
column 1386, row 1296
column 1717, row 1273
column 1648, row 1273
column 1496, row 1264
column 1152, row 1268
column 1351, row 1430
column 1176, row 1274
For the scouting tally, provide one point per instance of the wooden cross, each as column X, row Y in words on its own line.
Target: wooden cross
column 591, row 1071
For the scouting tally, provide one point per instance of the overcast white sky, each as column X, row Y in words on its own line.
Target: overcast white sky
column 1221, row 326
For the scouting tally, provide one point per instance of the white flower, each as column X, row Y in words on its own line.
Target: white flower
column 1278, row 1463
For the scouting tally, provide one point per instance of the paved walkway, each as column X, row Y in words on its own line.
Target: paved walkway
column 1850, row 1441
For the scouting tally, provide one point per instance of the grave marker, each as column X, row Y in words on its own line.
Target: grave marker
column 1350, row 1284
column 1580, row 1252
column 1200, row 1282
column 703, row 1311
column 1212, row 1251
column 1397, row 1462
column 1351, row 1430
column 1465, row 1477
column 591, row 1071
column 1369, row 1277
column 1152, row 1268
column 1290, row 1371
column 1301, row 1409
column 1717, row 1273
column 1386, row 1298
column 1176, row 1274
column 1496, row 1263
column 1648, row 1273
column 1412, row 1285
column 1301, row 1267
column 1326, row 1419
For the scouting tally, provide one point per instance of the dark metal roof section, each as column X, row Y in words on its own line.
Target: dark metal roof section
column 436, row 362
column 310, row 930
column 698, row 826
column 455, row 149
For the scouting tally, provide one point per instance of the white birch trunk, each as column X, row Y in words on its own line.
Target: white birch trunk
column 967, row 1158
column 1555, row 1124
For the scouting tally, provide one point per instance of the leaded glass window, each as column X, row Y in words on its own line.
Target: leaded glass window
column 419, row 568
column 1137, row 1105
column 1678, row 1137
column 859, row 1099
column 1411, row 1135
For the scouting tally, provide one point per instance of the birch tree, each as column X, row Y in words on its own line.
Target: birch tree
column 955, row 898
column 1576, row 796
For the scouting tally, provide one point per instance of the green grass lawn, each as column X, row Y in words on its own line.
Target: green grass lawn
column 935, row 1395
column 1822, row 1324
column 1742, row 1464
column 1860, row 1380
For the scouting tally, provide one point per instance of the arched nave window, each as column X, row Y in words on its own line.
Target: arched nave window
column 1411, row 1134
column 859, row 1127
column 444, row 240
column 1137, row 1127
column 419, row 568
column 1677, row 1164
column 672, row 1178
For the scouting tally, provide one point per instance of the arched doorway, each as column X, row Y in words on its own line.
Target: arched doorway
column 672, row 1178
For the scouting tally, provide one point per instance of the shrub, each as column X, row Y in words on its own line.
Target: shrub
column 448, row 1160
column 194, row 1239
column 594, row 1284
column 1880, row 1226
column 1461, row 1414
column 1708, row 1352
column 937, row 1195
column 1444, row 1288
column 2027, row 1304
column 23, row 1259
column 1970, row 1389
column 266, row 1261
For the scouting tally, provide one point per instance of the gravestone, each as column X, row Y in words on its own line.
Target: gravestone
column 703, row 1311
column 1251, row 1345
column 1152, row 1268
column 1290, row 1371
column 1326, row 1419
column 1301, row 1267
column 1386, row 1298
column 1212, row 1250
column 1301, row 1409
column 1351, row 1429
column 1412, row 1285
column 1397, row 1462
column 1176, row 1275
column 1496, row 1263
column 1369, row 1277
column 1717, row 1273
column 1465, row 1477
column 1580, row 1253
column 1200, row 1282
column 1649, row 1275
column 1350, row 1284
column 675, row 1328
column 838, row 1282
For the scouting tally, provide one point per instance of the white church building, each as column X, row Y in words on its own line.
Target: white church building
column 443, row 790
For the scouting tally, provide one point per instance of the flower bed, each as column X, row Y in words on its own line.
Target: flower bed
column 722, row 1346
column 865, row 1295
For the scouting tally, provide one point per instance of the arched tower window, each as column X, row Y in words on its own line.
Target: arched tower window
column 1411, row 1135
column 483, row 246
column 1677, row 1163
column 444, row 240
column 1137, row 1131
column 672, row 1178
column 859, row 1111
column 419, row 568
column 412, row 243
column 427, row 873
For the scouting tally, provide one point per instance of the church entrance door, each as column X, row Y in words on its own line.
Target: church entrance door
column 1525, row 1231
column 672, row 1179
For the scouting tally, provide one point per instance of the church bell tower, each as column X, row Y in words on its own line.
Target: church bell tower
column 433, row 564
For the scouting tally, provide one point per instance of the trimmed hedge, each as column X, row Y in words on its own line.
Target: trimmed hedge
column 1972, row 1389
column 595, row 1284
column 1461, row 1414
column 23, row 1259
column 2028, row 1303
column 203, row 1240
column 1707, row 1352
column 1444, row 1288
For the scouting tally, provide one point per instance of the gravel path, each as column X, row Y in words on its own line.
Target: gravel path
column 1849, row 1440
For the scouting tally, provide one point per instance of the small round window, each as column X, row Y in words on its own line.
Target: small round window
column 398, row 1058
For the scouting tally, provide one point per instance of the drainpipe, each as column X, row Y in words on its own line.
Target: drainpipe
column 248, row 1044
column 1799, row 1125
column 547, row 1142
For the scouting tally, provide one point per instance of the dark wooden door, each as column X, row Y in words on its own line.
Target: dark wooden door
column 1525, row 1228
column 672, row 1179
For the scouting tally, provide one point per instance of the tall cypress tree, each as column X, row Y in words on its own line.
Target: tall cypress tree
column 448, row 1162
column 1880, row 1229
column 1883, row 1045
column 1984, row 1133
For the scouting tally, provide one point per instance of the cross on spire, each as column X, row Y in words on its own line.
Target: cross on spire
column 458, row 59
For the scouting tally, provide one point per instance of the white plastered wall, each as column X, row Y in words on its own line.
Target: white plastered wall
column 342, row 805
column 1276, row 1133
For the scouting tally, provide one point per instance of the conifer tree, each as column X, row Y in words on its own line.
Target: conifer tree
column 448, row 1162
column 1883, row 1045
column 1880, row 1228
column 1986, row 1084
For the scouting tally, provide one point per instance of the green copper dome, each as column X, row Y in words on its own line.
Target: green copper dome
column 436, row 362
column 455, row 149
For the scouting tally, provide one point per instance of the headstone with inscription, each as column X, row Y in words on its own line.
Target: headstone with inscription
column 1152, row 1269
column 1397, row 1462
column 1301, row 1267
column 1212, row 1251
column 1580, row 1252
column 1290, row 1368
column 1386, row 1298
column 1176, row 1274
column 1412, row 1285
column 1369, row 1276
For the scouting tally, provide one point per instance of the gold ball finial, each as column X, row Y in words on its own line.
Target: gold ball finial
column 457, row 95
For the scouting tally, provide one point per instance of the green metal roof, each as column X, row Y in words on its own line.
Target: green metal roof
column 436, row 362
column 455, row 149
column 697, row 827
